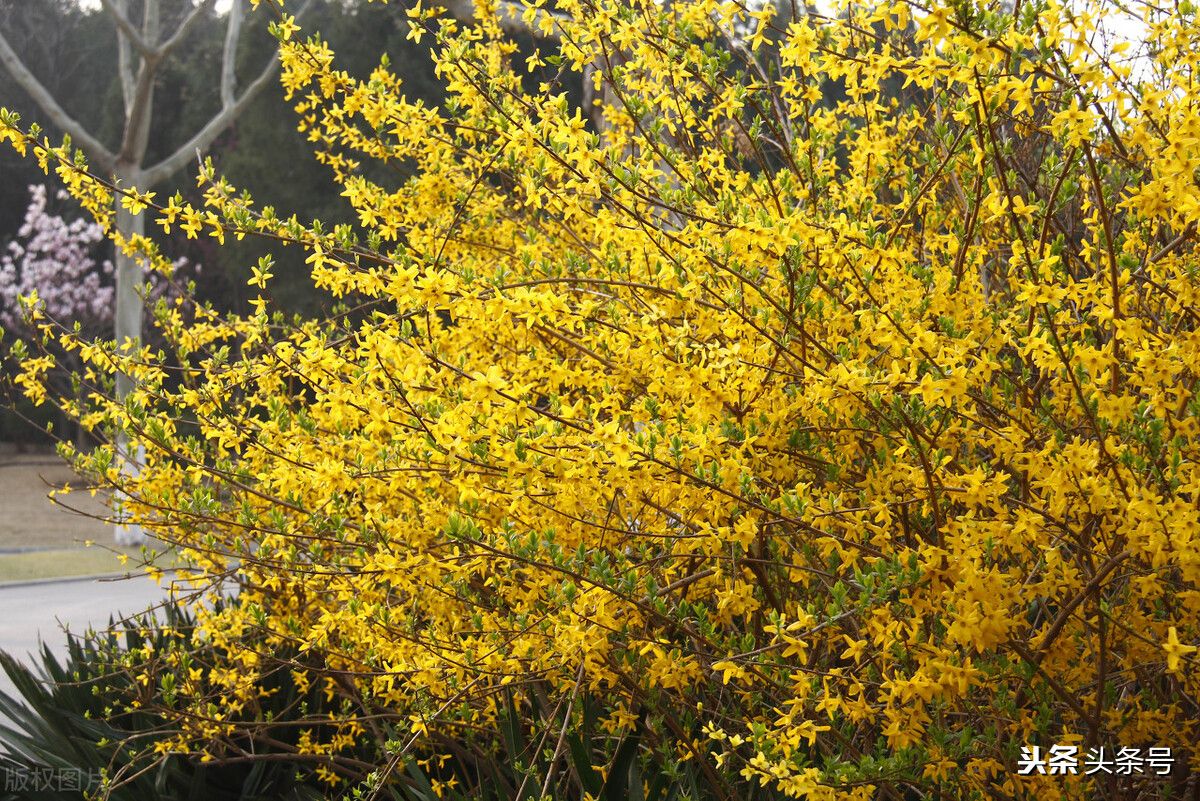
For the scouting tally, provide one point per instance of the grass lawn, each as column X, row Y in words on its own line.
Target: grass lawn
column 61, row 563
column 58, row 563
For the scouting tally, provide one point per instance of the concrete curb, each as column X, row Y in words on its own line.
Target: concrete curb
column 4, row 585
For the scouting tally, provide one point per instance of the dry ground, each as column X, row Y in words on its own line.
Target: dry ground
column 31, row 521
column 41, row 539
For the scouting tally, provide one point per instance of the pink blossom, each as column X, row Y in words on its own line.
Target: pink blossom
column 58, row 259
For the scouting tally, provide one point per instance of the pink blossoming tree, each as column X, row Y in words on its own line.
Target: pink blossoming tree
column 57, row 260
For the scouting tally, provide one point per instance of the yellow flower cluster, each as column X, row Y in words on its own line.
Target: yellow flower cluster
column 827, row 391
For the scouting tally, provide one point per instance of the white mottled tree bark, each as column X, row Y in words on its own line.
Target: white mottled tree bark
column 127, row 328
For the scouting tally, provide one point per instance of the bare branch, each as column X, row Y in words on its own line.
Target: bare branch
column 126, row 30
column 218, row 123
column 124, row 55
column 233, row 33
column 150, row 25
column 184, row 27
column 511, row 17
column 100, row 156
column 209, row 132
column 138, row 113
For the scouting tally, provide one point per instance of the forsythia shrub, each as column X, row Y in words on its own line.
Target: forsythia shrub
column 821, row 403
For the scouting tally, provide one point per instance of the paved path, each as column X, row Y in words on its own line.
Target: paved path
column 31, row 613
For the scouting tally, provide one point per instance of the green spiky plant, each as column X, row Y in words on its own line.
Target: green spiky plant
column 74, row 715
column 70, row 718
column 555, row 762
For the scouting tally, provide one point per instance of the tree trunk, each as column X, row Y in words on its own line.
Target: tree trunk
column 127, row 320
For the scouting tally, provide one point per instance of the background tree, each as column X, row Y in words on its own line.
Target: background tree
column 148, row 35
column 57, row 263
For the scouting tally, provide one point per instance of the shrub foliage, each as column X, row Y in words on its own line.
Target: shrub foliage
column 819, row 403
